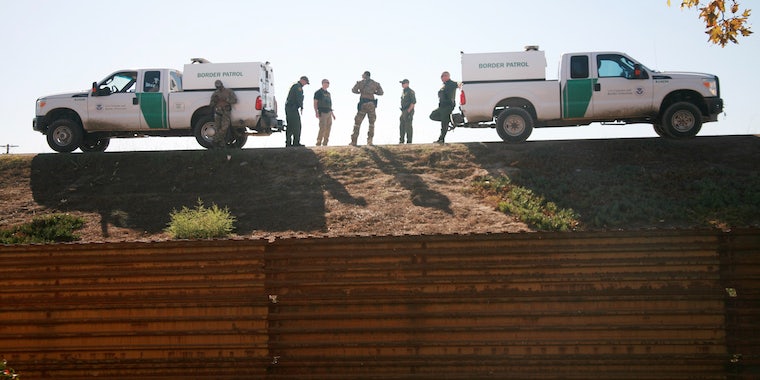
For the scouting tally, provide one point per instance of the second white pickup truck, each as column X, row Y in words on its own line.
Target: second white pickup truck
column 509, row 92
column 160, row 102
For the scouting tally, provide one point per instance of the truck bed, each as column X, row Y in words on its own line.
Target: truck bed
column 484, row 97
column 183, row 104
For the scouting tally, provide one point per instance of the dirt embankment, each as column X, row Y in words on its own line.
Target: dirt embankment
column 398, row 190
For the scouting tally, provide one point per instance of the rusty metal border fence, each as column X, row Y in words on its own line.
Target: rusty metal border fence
column 740, row 275
column 607, row 305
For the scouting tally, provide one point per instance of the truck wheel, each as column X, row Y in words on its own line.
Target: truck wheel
column 682, row 120
column 94, row 144
column 660, row 131
column 514, row 125
column 204, row 131
column 64, row 135
column 237, row 140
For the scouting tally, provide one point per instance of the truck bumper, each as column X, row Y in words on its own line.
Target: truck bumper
column 38, row 124
column 714, row 108
column 457, row 119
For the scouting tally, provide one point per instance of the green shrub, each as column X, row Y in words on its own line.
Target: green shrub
column 526, row 205
column 47, row 229
column 200, row 222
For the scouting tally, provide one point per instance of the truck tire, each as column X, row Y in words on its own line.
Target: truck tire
column 94, row 144
column 682, row 120
column 64, row 135
column 238, row 141
column 514, row 125
column 660, row 131
column 204, row 130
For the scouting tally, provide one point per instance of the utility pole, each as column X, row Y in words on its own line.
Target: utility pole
column 8, row 148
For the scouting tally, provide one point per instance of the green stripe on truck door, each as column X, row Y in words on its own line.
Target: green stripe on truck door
column 576, row 97
column 153, row 109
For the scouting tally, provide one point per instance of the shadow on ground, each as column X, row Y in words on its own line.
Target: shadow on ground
column 265, row 189
column 638, row 183
column 421, row 194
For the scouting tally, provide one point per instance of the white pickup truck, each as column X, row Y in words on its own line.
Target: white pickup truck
column 160, row 102
column 509, row 92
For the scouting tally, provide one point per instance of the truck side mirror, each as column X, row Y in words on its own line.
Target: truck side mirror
column 638, row 72
column 94, row 88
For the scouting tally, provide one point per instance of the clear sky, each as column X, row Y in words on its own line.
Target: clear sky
column 54, row 46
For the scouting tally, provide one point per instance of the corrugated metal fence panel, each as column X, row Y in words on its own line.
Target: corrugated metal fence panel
column 620, row 306
column 740, row 253
column 170, row 310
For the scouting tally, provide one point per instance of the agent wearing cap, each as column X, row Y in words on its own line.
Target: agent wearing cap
column 408, row 100
column 293, row 109
column 324, row 112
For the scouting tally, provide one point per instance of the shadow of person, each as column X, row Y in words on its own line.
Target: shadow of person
column 339, row 192
column 420, row 193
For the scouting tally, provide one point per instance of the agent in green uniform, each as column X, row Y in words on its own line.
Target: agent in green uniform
column 408, row 100
column 446, row 104
column 293, row 109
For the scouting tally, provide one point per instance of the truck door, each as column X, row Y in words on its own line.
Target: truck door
column 113, row 104
column 577, row 88
column 152, row 101
column 266, row 87
column 622, row 90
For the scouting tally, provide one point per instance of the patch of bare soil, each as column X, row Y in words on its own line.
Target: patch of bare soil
column 379, row 190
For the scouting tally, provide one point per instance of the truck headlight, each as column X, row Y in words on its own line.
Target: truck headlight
column 711, row 85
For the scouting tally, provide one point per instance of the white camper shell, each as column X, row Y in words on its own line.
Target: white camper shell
column 238, row 75
column 486, row 67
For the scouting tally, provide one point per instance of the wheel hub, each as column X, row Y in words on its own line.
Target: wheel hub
column 514, row 125
column 62, row 136
column 209, row 130
column 683, row 121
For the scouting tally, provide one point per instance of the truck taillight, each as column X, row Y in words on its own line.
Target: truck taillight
column 259, row 104
column 462, row 98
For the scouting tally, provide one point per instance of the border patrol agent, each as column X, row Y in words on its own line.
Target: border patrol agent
column 294, row 105
column 446, row 103
column 408, row 100
column 222, row 100
column 324, row 112
column 367, row 89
